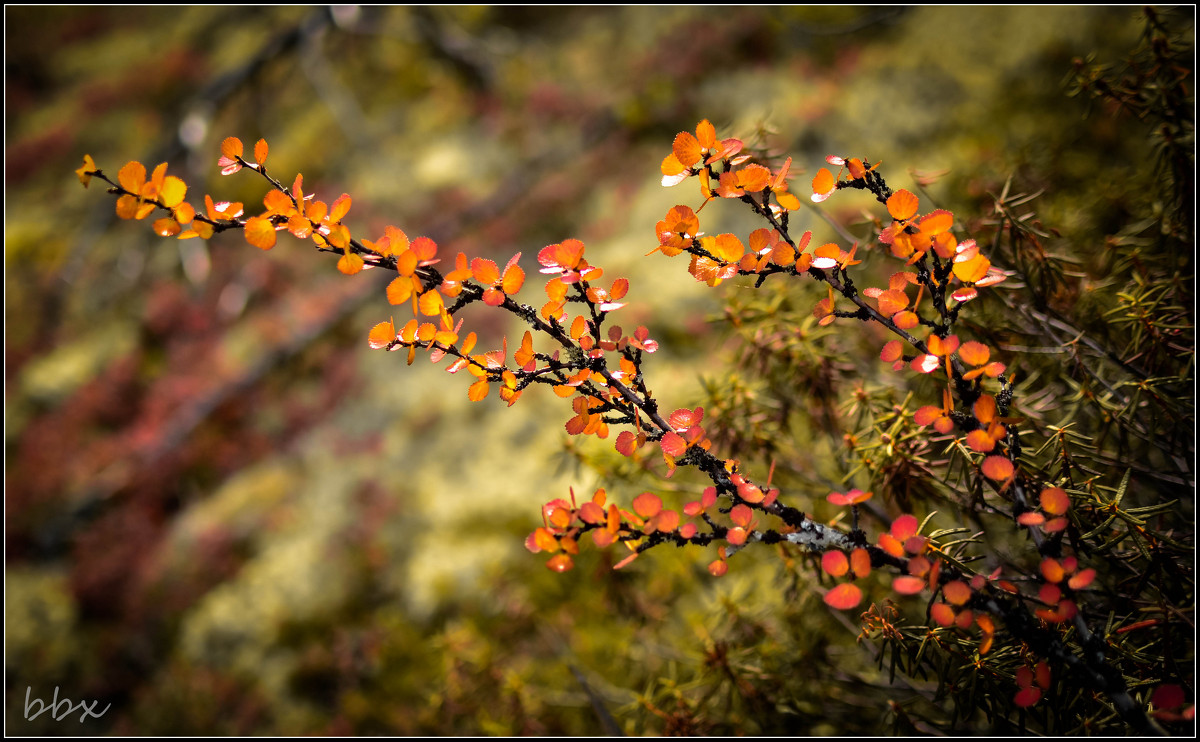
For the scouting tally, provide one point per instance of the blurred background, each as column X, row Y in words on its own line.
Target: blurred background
column 226, row 515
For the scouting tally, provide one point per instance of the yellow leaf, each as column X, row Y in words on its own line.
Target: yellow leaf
column 85, row 172
column 172, row 192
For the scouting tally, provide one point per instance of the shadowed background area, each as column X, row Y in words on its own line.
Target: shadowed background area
column 226, row 515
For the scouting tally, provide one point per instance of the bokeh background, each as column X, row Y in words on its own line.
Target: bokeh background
column 225, row 515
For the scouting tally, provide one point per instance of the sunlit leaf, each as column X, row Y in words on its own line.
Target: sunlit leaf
column 823, row 183
column 902, row 205
column 381, row 335
column 260, row 232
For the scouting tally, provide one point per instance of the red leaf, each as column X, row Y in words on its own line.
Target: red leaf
column 907, row 585
column 834, row 562
column 843, row 597
column 647, row 505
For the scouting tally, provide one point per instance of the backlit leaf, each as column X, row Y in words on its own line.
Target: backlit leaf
column 231, row 147
column 260, row 232
column 381, row 334
column 902, row 205
column 824, row 182
column 686, row 149
column 350, row 263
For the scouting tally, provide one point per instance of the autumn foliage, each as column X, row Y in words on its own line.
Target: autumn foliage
column 1053, row 621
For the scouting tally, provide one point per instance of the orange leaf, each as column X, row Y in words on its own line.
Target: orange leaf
column 754, row 178
column 1052, row 570
column 902, row 205
column 860, row 562
column 478, row 390
column 513, row 280
column 184, row 213
column 339, row 208
column 686, row 149
column 431, row 304
column 1082, row 580
column 891, row 302
column 908, row 585
column 787, row 200
column 997, row 468
column 673, row 444
column 824, row 182
column 278, row 202
column 906, row 320
column 672, row 167
column 260, row 232
column 350, row 263
column 937, row 222
column 891, row 544
column 973, row 353
column 231, row 147
column 1031, row 518
column 132, row 176
column 485, row 271
column 956, row 592
column 1055, row 500
column 260, row 151
column 843, row 597
column 971, row 269
column 979, row 440
column 834, row 562
column 647, row 504
column 381, row 334
column 927, row 414
column 400, row 290
column 85, row 172
column 942, row 614
column 726, row 247
column 166, row 227
column 578, row 327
